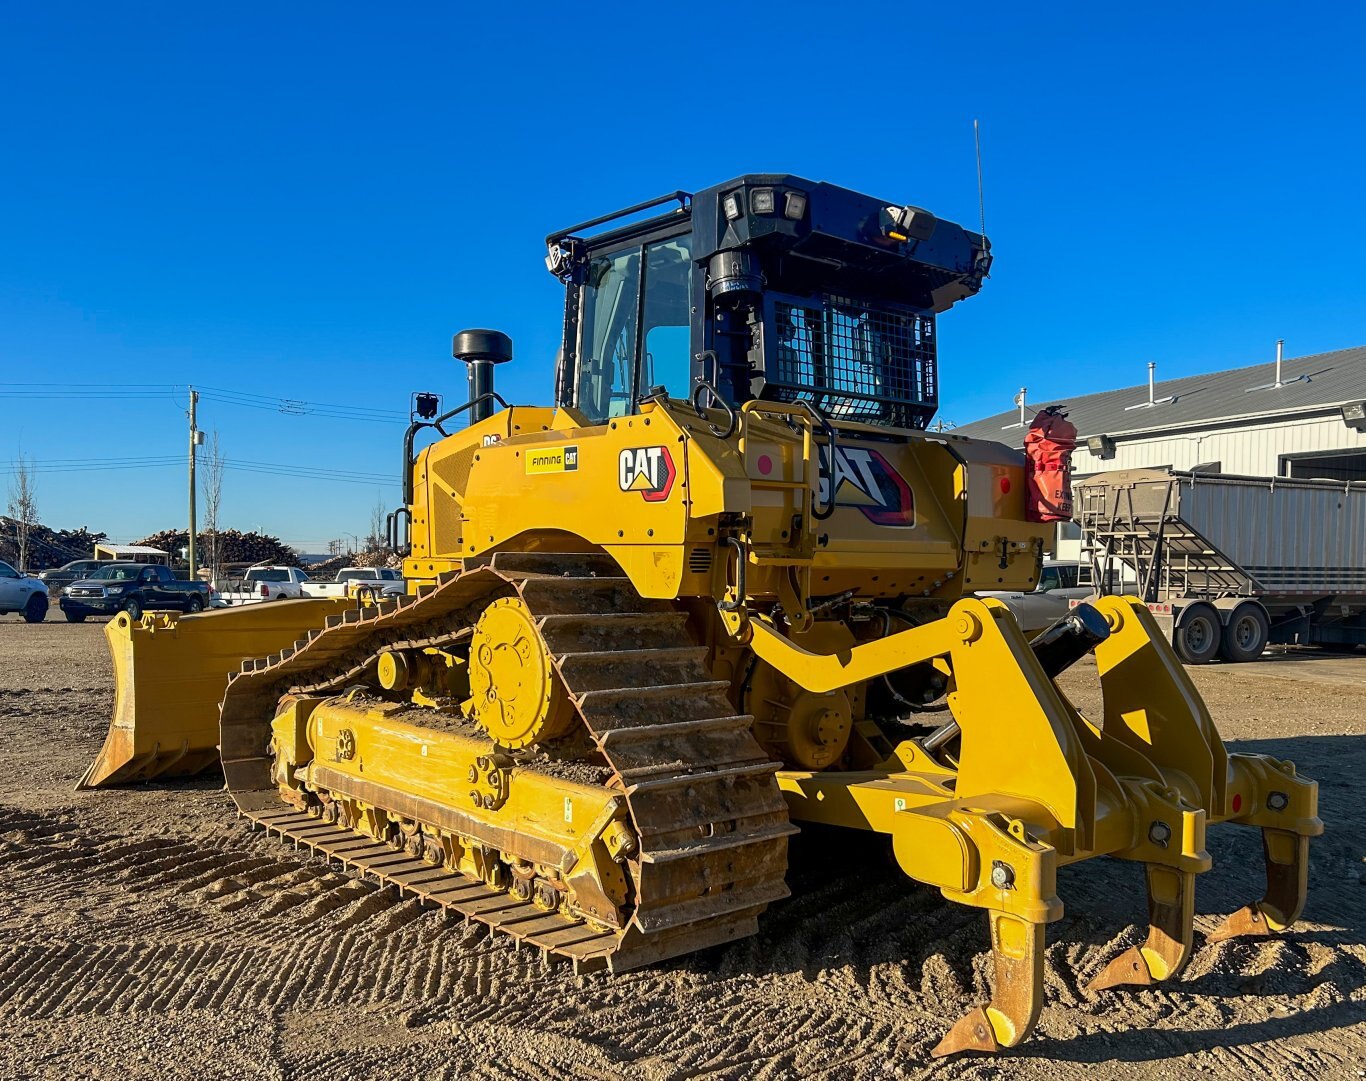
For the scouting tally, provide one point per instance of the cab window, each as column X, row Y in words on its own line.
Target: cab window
column 1048, row 579
column 611, row 298
column 627, row 348
column 667, row 361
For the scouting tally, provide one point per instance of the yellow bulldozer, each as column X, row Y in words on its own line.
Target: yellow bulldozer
column 723, row 586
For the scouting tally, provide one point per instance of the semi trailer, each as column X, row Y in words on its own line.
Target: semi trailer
column 1231, row 564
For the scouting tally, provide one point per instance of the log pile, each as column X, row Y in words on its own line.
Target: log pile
column 234, row 546
column 47, row 547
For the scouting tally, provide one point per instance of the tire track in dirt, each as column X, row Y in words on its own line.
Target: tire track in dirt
column 146, row 935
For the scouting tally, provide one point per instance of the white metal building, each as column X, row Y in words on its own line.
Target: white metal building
column 1305, row 417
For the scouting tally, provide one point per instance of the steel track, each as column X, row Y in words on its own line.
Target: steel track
column 710, row 818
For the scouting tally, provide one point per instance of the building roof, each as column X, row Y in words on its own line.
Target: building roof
column 1215, row 397
column 117, row 550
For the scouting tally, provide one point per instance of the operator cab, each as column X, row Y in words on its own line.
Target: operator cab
column 769, row 286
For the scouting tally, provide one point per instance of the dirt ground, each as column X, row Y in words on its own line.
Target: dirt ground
column 148, row 933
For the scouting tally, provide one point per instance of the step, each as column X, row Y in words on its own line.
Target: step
column 615, row 631
column 633, row 707
column 631, row 669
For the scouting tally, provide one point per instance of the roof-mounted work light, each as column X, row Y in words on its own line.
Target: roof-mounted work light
column 762, row 201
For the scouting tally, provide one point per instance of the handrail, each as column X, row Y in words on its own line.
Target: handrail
column 820, row 512
column 732, row 421
column 418, row 425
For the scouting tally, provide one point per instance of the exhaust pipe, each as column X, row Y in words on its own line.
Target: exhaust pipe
column 481, row 350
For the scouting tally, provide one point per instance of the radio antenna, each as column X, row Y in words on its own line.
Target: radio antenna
column 981, row 199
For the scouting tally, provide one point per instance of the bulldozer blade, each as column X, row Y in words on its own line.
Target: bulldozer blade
column 1171, row 917
column 1287, row 881
column 170, row 672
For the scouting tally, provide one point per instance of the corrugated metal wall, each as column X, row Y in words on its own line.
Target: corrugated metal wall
column 1254, row 450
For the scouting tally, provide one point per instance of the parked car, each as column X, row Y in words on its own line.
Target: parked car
column 1061, row 582
column 133, row 588
column 59, row 578
column 352, row 580
column 265, row 583
column 22, row 593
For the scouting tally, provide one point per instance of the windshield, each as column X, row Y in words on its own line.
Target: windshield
column 117, row 574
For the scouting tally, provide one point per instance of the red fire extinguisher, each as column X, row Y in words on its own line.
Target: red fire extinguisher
column 1048, row 451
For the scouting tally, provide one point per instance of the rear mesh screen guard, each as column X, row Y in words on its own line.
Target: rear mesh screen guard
column 873, row 363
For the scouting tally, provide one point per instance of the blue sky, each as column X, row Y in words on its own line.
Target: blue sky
column 305, row 201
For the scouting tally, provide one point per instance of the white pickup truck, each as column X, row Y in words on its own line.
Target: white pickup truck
column 266, row 584
column 351, row 580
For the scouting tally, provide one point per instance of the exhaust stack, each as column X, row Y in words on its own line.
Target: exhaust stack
column 481, row 350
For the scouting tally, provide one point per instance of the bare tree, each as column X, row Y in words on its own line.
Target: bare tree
column 376, row 541
column 212, row 472
column 23, row 505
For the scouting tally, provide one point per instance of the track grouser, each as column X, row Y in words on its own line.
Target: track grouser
column 721, row 587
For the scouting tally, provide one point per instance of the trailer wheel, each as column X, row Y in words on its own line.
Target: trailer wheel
column 1197, row 634
column 1246, row 634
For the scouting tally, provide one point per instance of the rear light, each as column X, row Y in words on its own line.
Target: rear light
column 265, row 590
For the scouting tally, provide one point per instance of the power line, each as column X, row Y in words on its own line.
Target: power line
column 343, row 476
column 294, row 407
column 276, row 400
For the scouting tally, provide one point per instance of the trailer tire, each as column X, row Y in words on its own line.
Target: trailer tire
column 1196, row 635
column 1246, row 634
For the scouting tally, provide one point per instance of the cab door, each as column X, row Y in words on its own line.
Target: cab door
column 153, row 592
column 9, row 589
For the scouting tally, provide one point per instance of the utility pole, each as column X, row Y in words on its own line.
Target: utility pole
column 196, row 437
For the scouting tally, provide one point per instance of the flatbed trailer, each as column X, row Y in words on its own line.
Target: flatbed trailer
column 1231, row 564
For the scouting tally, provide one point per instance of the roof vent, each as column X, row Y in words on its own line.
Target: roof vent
column 1280, row 348
column 1152, row 369
column 1019, row 400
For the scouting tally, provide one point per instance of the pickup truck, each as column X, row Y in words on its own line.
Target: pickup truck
column 352, row 580
column 266, row 584
column 1062, row 582
column 133, row 588
column 23, row 594
column 59, row 578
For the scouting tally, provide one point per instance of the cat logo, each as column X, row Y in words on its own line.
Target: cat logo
column 647, row 470
column 864, row 479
